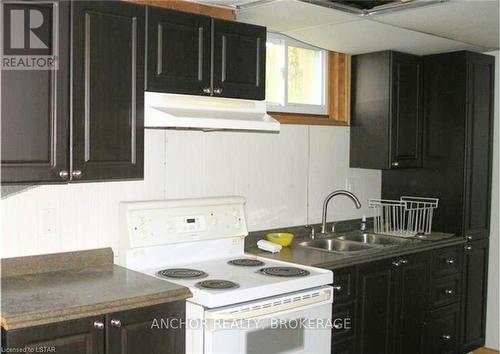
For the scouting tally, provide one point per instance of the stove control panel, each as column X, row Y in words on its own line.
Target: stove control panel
column 191, row 223
column 176, row 221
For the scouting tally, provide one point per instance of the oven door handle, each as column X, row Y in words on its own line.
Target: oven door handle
column 273, row 306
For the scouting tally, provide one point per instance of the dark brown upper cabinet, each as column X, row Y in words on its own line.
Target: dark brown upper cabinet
column 35, row 110
column 108, row 90
column 239, row 57
column 83, row 121
column 198, row 55
column 386, row 129
column 457, row 158
column 178, row 52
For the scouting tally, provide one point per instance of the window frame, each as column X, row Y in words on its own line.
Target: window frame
column 300, row 108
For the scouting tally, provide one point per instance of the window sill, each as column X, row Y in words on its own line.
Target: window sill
column 306, row 119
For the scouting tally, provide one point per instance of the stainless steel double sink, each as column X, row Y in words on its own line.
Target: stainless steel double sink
column 354, row 242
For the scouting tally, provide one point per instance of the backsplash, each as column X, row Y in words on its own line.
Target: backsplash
column 284, row 177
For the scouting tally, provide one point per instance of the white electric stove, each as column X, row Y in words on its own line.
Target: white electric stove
column 199, row 243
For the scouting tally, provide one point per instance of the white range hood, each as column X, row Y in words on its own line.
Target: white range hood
column 206, row 113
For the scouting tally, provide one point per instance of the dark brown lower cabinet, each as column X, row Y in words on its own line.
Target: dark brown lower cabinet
column 443, row 330
column 132, row 332
column 412, row 303
column 430, row 302
column 475, row 278
column 392, row 298
column 376, row 296
column 69, row 337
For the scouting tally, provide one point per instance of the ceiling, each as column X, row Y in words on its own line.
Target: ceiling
column 440, row 27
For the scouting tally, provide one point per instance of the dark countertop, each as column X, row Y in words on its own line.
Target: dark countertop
column 60, row 295
column 323, row 259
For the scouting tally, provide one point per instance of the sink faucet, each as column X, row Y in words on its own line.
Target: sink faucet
column 330, row 196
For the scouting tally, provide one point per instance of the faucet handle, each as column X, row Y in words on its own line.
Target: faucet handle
column 333, row 226
column 312, row 233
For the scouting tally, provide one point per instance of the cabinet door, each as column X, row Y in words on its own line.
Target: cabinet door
column 108, row 90
column 412, row 304
column 443, row 331
column 406, row 103
column 480, row 88
column 69, row 337
column 474, row 295
column 35, row 109
column 239, row 60
column 344, row 285
column 375, row 307
column 153, row 330
column 178, row 52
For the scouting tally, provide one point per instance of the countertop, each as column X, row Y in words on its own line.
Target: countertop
column 329, row 260
column 65, row 294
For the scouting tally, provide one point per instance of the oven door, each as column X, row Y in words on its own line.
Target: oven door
column 291, row 324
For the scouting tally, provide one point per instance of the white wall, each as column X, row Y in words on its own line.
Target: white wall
column 284, row 177
column 493, row 317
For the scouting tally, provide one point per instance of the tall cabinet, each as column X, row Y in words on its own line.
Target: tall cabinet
column 457, row 163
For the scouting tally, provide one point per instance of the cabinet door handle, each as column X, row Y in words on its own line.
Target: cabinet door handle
column 468, row 248
column 446, row 336
column 469, row 237
column 337, row 287
column 116, row 323
column 404, row 261
column 207, row 90
column 218, row 91
column 64, row 174
column 450, row 261
column 98, row 325
column 77, row 174
column 395, row 164
column 449, row 292
column 396, row 263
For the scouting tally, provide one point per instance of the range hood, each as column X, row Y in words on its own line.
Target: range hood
column 172, row 111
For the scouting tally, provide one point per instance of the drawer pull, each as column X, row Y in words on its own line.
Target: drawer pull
column 98, row 325
column 404, row 261
column 449, row 292
column 469, row 238
column 396, row 263
column 116, row 323
column 337, row 287
column 446, row 336
column 468, row 248
column 450, row 261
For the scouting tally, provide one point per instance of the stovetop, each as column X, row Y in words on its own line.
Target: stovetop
column 244, row 283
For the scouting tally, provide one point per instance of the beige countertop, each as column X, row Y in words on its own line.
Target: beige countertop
column 64, row 294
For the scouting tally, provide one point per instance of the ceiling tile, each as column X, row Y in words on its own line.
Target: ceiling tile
column 286, row 15
column 364, row 36
column 473, row 21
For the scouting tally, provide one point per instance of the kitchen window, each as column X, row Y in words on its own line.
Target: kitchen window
column 296, row 76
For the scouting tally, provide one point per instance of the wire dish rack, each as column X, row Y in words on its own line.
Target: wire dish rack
column 407, row 217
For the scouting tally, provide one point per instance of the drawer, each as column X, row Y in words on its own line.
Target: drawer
column 447, row 261
column 343, row 320
column 344, row 285
column 446, row 291
column 443, row 330
column 343, row 346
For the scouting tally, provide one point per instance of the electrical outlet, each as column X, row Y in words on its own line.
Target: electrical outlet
column 349, row 185
column 47, row 222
